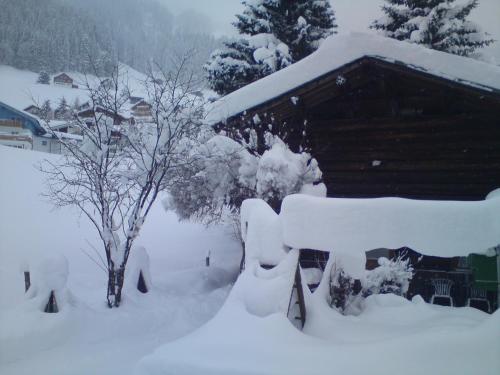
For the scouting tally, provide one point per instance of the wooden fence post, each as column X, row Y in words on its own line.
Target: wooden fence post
column 207, row 259
column 51, row 306
column 27, row 281
column 141, row 284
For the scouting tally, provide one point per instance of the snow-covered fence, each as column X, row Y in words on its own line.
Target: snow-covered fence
column 353, row 226
column 347, row 228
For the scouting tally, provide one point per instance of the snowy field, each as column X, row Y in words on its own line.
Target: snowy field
column 249, row 335
column 86, row 337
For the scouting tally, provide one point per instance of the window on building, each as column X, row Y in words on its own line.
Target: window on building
column 44, row 143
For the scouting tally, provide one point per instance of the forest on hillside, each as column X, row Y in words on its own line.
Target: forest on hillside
column 90, row 36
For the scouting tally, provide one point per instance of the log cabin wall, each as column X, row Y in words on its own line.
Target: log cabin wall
column 382, row 129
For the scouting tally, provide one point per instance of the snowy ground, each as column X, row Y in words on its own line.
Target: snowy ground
column 248, row 335
column 86, row 337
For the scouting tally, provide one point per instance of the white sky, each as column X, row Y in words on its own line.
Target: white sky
column 352, row 15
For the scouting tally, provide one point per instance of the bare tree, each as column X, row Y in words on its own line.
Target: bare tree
column 116, row 174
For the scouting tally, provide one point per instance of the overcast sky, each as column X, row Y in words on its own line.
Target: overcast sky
column 352, row 15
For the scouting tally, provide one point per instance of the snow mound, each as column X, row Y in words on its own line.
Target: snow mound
column 138, row 263
column 51, row 273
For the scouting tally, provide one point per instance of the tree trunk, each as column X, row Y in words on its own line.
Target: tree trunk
column 115, row 286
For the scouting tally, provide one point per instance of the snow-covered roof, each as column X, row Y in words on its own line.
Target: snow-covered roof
column 339, row 50
column 27, row 116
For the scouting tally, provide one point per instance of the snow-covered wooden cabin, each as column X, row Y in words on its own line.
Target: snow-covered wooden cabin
column 382, row 117
column 63, row 79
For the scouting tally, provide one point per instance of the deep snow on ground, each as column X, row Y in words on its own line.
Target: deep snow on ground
column 391, row 336
column 86, row 337
column 193, row 321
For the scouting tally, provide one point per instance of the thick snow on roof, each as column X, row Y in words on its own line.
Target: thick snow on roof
column 339, row 50
column 438, row 228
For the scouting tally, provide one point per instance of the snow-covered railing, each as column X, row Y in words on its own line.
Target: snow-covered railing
column 438, row 228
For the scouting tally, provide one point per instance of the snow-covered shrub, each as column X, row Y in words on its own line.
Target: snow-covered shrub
column 391, row 276
column 344, row 289
column 223, row 173
column 281, row 172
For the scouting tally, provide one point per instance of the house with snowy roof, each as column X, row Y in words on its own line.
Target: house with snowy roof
column 386, row 118
column 21, row 129
column 382, row 117
column 64, row 80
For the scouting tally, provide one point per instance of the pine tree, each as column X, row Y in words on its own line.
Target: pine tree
column 62, row 111
column 46, row 111
column 438, row 24
column 43, row 78
column 274, row 34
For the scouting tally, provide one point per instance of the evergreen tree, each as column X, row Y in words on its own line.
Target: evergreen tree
column 62, row 110
column 43, row 78
column 274, row 34
column 437, row 24
column 46, row 110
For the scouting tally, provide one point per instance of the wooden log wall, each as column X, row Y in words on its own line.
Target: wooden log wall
column 387, row 130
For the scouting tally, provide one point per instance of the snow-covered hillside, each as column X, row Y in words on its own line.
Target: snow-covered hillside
column 86, row 337
column 19, row 89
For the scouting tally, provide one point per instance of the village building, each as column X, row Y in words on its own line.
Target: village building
column 23, row 130
column 139, row 108
column 64, row 80
column 385, row 118
column 34, row 110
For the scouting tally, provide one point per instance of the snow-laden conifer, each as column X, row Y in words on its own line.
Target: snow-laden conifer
column 438, row 24
column 273, row 35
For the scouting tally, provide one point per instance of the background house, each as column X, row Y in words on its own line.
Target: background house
column 63, row 79
column 20, row 129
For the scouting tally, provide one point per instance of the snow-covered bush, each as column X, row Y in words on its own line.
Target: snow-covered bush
column 281, row 172
column 391, row 276
column 344, row 289
column 223, row 173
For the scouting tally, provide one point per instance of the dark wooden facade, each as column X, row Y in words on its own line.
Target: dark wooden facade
column 381, row 128
column 63, row 79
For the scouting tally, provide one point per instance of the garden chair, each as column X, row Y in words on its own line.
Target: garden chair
column 442, row 290
column 478, row 299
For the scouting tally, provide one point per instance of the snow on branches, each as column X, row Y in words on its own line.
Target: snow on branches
column 223, row 173
column 117, row 173
column 438, row 24
column 273, row 35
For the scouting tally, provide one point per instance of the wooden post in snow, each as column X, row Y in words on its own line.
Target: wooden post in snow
column 27, row 281
column 207, row 259
column 51, row 306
